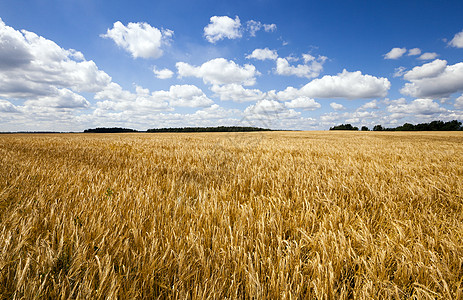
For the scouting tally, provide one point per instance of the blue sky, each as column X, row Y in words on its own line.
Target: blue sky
column 71, row 65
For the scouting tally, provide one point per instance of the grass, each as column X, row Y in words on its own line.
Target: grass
column 316, row 215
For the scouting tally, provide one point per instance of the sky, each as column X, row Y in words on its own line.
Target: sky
column 70, row 65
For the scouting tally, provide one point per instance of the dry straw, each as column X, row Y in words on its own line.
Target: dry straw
column 315, row 215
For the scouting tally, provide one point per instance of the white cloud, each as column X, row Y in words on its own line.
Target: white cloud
column 115, row 98
column 350, row 85
column 310, row 69
column 32, row 67
column 61, row 99
column 270, row 110
column 139, row 39
column 431, row 69
column 395, row 101
column 414, row 51
column 163, row 74
column 400, row 71
column 330, row 117
column 355, row 118
column 457, row 40
column 213, row 112
column 434, row 80
column 337, row 106
column 459, row 102
column 220, row 71
column 369, row 105
column 8, row 107
column 184, row 96
column 395, row 53
column 307, row 58
column 237, row 93
column 265, row 106
column 222, row 27
column 304, row 103
column 15, row 51
column 263, row 54
column 416, row 107
column 270, row 27
column 428, row 56
column 359, row 117
column 209, row 116
column 254, row 26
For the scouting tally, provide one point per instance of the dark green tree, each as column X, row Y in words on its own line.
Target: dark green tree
column 344, row 127
column 406, row 127
column 378, row 128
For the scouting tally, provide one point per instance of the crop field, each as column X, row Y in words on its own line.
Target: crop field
column 274, row 215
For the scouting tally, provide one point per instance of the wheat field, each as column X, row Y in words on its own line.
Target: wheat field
column 274, row 215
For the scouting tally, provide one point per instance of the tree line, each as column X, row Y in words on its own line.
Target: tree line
column 432, row 126
column 109, row 130
column 210, row 129
column 179, row 129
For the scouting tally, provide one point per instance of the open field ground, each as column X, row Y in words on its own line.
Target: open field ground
column 316, row 215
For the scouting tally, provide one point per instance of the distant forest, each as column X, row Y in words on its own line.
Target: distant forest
column 209, row 129
column 109, row 130
column 181, row 129
column 433, row 126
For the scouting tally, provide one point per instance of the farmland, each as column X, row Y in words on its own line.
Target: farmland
column 317, row 215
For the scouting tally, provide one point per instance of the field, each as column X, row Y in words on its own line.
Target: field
column 274, row 215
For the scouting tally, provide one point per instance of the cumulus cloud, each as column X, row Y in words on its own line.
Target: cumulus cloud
column 14, row 49
column 337, row 106
column 263, row 54
column 37, row 69
column 8, row 107
column 61, row 98
column 414, row 51
column 311, row 68
column 115, row 98
column 416, row 107
column 428, row 56
column 395, row 53
column 254, row 26
column 431, row 69
column 360, row 117
column 220, row 71
column 434, row 80
column 222, row 27
column 163, row 74
column 369, row 105
column 457, row 40
column 208, row 116
column 139, row 39
column 357, row 117
column 266, row 107
column 459, row 102
column 237, row 93
column 270, row 110
column 303, row 103
column 400, row 71
column 270, row 27
column 184, row 96
column 350, row 85
column 212, row 116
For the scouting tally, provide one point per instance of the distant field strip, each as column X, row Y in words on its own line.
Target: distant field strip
column 261, row 215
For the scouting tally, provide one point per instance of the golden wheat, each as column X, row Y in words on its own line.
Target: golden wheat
column 316, row 215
